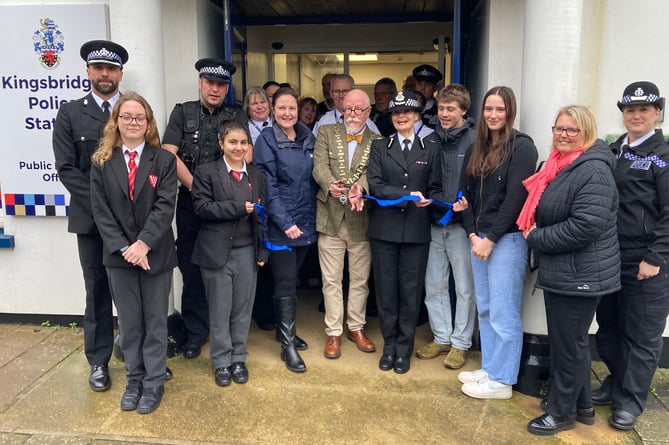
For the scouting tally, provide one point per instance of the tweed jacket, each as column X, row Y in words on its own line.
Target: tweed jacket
column 331, row 165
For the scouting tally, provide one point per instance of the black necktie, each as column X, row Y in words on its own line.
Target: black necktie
column 406, row 143
column 105, row 108
column 264, row 124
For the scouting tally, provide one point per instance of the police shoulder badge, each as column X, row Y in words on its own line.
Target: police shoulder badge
column 48, row 43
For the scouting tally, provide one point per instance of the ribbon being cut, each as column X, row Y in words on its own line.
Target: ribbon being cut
column 267, row 244
column 391, row 202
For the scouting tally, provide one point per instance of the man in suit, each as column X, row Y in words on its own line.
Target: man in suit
column 192, row 135
column 341, row 85
column 78, row 127
column 341, row 153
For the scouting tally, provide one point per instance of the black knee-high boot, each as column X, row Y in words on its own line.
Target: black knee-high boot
column 300, row 344
column 286, row 324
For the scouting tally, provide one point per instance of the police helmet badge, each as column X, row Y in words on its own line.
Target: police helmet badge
column 48, row 43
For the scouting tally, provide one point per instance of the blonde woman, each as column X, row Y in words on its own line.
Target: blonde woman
column 569, row 219
column 133, row 193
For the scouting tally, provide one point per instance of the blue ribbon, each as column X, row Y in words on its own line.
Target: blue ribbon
column 268, row 245
column 391, row 202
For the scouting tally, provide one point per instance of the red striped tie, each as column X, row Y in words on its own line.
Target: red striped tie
column 132, row 171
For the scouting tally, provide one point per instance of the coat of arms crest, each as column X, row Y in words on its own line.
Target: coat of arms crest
column 48, row 43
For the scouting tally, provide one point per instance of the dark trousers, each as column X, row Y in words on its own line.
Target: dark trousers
column 263, row 306
column 285, row 267
column 568, row 319
column 399, row 278
column 231, row 291
column 629, row 339
column 142, row 300
column 98, row 315
column 194, row 307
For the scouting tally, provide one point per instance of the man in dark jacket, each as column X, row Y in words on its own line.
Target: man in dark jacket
column 192, row 135
column 449, row 247
column 79, row 125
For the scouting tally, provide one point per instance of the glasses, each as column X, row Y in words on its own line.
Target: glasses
column 127, row 119
column 357, row 111
column 339, row 92
column 571, row 132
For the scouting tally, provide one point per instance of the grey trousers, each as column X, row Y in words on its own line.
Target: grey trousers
column 141, row 301
column 230, row 291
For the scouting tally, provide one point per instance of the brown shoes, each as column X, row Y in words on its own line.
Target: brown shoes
column 332, row 347
column 361, row 340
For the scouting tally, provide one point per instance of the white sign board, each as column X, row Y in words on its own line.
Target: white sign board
column 41, row 69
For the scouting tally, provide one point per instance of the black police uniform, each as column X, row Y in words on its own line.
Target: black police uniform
column 79, row 126
column 631, row 321
column 430, row 74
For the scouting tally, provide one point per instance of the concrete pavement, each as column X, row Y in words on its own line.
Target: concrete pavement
column 45, row 399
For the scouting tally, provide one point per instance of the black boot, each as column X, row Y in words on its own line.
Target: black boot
column 286, row 323
column 300, row 344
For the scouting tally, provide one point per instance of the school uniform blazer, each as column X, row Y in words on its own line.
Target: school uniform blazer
column 390, row 176
column 148, row 218
column 331, row 165
column 215, row 204
column 78, row 128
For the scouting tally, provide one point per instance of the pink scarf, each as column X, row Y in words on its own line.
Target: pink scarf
column 537, row 183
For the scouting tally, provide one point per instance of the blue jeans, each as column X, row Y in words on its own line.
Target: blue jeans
column 449, row 250
column 498, row 283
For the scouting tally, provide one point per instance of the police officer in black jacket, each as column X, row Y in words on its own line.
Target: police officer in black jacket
column 192, row 134
column 631, row 322
column 78, row 127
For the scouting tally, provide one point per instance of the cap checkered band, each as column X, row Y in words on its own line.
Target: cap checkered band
column 425, row 73
column 104, row 54
column 401, row 101
column 215, row 70
column 651, row 98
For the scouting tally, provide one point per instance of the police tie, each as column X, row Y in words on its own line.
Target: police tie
column 405, row 152
column 105, row 109
column 132, row 172
column 355, row 137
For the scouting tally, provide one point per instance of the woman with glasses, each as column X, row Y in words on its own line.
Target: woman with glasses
column 499, row 160
column 285, row 154
column 569, row 219
column 133, row 193
column 399, row 235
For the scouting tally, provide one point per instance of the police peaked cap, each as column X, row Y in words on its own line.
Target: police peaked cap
column 103, row 51
column 215, row 69
column 405, row 101
column 428, row 73
column 642, row 92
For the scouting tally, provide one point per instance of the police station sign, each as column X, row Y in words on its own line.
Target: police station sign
column 41, row 70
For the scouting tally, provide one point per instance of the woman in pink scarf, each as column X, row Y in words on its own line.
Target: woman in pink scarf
column 569, row 219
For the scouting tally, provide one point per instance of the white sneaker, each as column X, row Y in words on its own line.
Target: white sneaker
column 473, row 376
column 488, row 389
